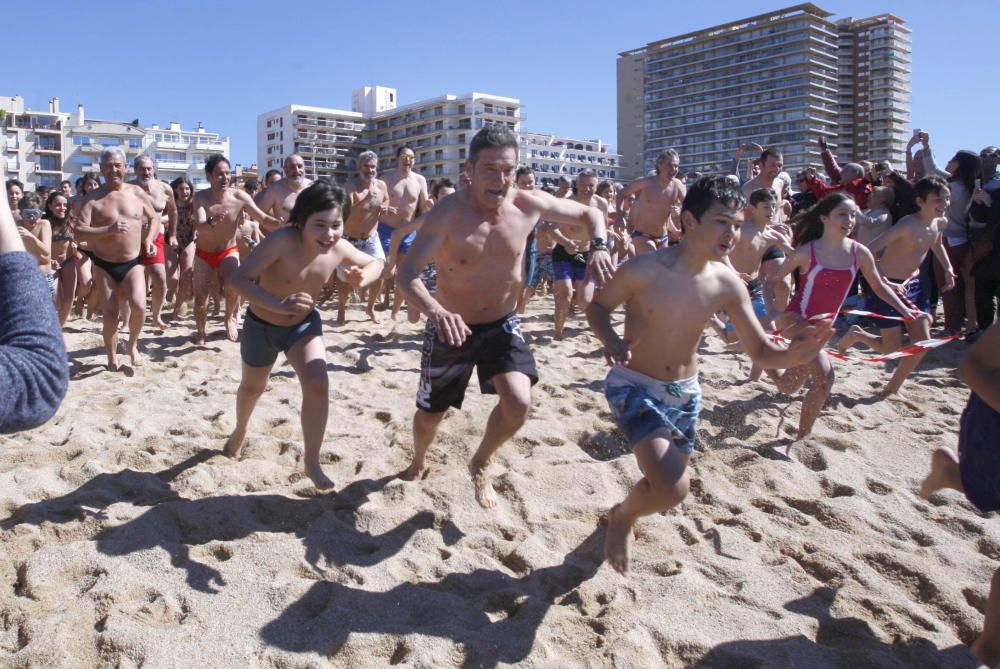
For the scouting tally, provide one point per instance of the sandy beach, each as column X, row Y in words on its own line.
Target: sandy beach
column 130, row 541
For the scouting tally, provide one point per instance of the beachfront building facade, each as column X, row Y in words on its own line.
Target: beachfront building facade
column 182, row 153
column 551, row 156
column 329, row 140
column 44, row 148
column 873, row 102
column 33, row 142
column 780, row 79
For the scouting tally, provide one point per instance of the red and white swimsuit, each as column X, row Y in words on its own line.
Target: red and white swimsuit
column 822, row 290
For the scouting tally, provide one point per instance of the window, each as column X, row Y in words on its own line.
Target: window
column 461, row 154
column 50, row 180
column 48, row 163
column 82, row 160
column 135, row 143
column 108, row 141
column 81, row 141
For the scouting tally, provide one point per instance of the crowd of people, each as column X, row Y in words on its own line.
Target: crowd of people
column 768, row 261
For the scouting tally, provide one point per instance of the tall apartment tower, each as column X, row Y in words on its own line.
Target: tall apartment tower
column 780, row 79
column 874, row 88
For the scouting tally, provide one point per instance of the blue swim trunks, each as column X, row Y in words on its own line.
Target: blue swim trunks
column 756, row 301
column 917, row 297
column 260, row 341
column 979, row 454
column 642, row 405
column 385, row 236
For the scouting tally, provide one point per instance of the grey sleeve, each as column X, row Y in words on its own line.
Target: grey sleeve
column 33, row 367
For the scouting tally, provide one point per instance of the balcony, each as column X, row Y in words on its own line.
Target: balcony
column 172, row 165
column 162, row 144
column 217, row 147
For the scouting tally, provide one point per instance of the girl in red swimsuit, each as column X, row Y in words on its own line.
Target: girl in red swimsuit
column 827, row 260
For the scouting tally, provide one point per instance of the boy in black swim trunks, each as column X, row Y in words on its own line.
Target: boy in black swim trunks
column 976, row 469
column 282, row 279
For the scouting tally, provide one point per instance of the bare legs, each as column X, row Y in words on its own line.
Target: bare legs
column 131, row 291
column 158, row 284
column 204, row 278
column 664, row 485
column 565, row 292
column 308, row 359
column 185, row 280
column 891, row 339
column 66, row 292
column 510, row 413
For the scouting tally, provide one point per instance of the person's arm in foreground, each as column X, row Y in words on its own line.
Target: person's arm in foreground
column 980, row 368
column 33, row 369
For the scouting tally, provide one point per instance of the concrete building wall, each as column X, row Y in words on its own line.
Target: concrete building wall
column 33, row 142
column 551, row 156
column 178, row 152
column 780, row 79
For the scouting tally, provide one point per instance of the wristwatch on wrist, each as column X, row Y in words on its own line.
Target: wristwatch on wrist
column 598, row 244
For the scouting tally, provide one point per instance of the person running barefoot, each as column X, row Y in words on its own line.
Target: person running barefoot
column 652, row 389
column 827, row 260
column 476, row 238
column 975, row 471
column 282, row 279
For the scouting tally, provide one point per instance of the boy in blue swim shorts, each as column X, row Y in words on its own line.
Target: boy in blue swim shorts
column 976, row 469
column 669, row 296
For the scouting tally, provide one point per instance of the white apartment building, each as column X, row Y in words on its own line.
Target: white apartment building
column 329, row 140
column 84, row 139
column 179, row 152
column 551, row 156
column 33, row 142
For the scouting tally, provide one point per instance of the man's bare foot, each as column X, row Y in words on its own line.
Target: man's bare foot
column 199, row 339
column 234, row 445
column 943, row 473
column 375, row 319
column 485, row 494
column 850, row 338
column 319, row 479
column 616, row 541
column 232, row 333
column 890, row 389
column 137, row 359
column 341, row 317
column 112, row 362
column 557, row 336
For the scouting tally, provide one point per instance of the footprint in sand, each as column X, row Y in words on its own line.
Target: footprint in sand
column 877, row 487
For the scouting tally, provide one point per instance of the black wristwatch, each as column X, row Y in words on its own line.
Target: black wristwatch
column 598, row 244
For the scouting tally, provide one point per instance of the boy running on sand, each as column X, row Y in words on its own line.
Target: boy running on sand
column 976, row 469
column 827, row 260
column 903, row 248
column 669, row 296
column 282, row 279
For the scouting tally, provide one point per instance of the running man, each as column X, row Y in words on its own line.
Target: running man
column 162, row 198
column 477, row 238
column 279, row 198
column 656, row 213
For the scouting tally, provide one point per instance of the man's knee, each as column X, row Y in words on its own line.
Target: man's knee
column 314, row 380
column 516, row 404
column 427, row 419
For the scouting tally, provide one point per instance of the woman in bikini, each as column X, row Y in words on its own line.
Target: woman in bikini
column 183, row 196
column 65, row 255
column 827, row 260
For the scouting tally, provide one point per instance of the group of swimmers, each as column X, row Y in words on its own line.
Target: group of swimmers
column 701, row 252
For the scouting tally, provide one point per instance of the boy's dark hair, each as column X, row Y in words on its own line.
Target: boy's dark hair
column 522, row 171
column 271, row 173
column 710, row 190
column 763, row 195
column 929, row 185
column 444, row 182
column 15, row 182
column 320, row 196
column 214, row 160
column 492, row 136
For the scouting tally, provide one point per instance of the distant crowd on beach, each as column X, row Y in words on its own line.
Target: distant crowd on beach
column 906, row 257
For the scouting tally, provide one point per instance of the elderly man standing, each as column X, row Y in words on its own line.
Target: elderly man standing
column 279, row 197
column 111, row 223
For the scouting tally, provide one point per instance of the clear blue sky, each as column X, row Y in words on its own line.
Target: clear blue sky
column 223, row 63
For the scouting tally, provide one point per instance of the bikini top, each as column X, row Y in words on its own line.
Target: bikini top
column 822, row 290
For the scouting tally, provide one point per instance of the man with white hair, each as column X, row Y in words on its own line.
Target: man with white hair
column 655, row 216
column 110, row 222
column 161, row 196
column 369, row 197
column 279, row 197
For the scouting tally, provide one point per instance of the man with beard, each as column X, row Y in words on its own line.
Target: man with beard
column 369, row 198
column 162, row 198
column 279, row 197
